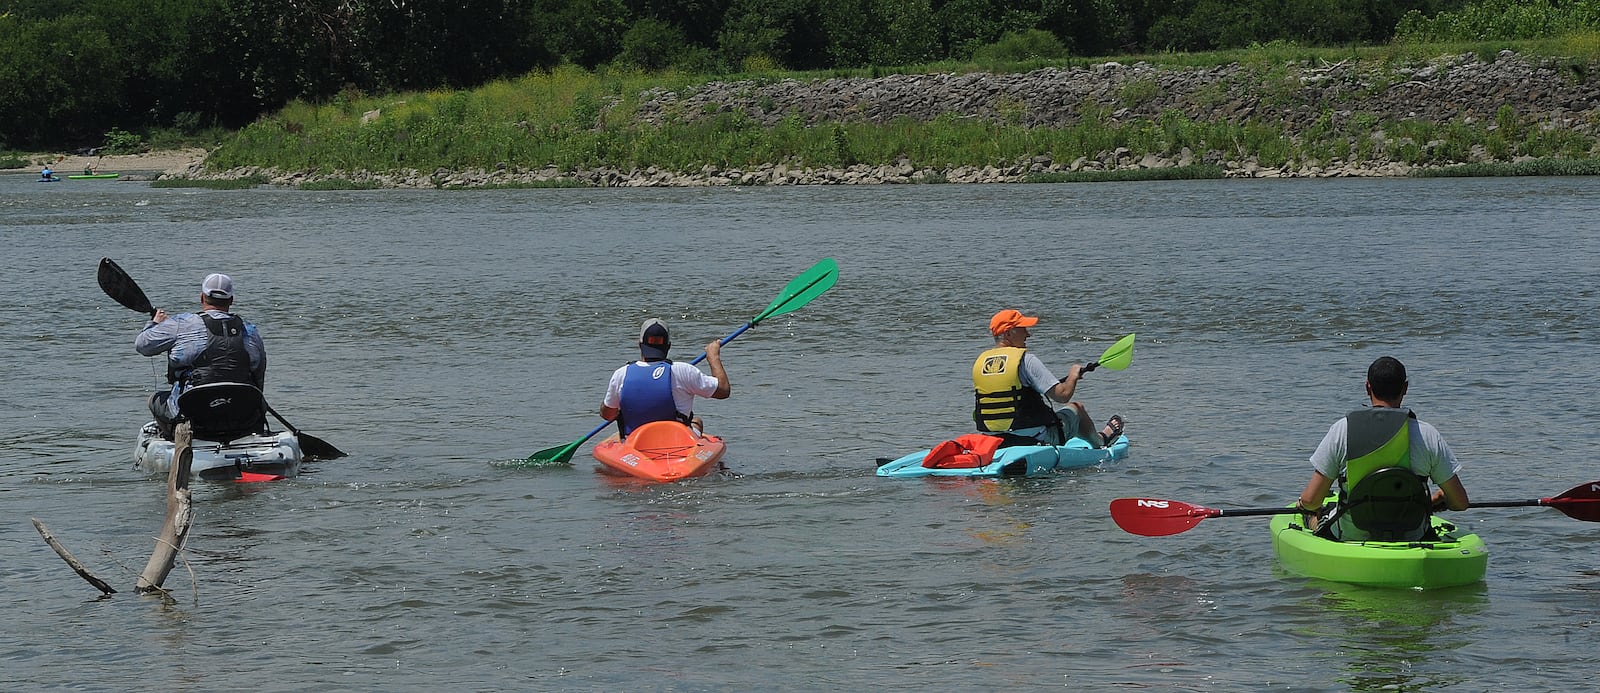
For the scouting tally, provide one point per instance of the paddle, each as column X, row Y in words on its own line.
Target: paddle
column 1153, row 517
column 1116, row 357
column 809, row 285
column 124, row 290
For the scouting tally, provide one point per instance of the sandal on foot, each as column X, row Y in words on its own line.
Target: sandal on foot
column 1113, row 430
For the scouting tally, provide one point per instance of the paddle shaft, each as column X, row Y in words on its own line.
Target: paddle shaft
column 1551, row 502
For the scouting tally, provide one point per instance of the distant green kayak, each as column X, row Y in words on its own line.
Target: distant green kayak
column 82, row 176
column 1455, row 558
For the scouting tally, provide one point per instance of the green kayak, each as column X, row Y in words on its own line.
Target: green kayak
column 1456, row 558
column 86, row 176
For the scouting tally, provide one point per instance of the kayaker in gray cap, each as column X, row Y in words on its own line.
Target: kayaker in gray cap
column 656, row 389
column 1396, row 453
column 211, row 346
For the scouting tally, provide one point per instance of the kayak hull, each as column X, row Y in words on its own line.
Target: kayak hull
column 93, row 176
column 251, row 457
column 660, row 451
column 1016, row 461
column 1455, row 559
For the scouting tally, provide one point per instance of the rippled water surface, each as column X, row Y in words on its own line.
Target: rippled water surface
column 432, row 334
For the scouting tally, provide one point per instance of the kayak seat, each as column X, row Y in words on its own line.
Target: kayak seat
column 224, row 411
column 1390, row 504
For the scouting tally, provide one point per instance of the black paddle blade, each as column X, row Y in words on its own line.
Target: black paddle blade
column 121, row 287
column 316, row 447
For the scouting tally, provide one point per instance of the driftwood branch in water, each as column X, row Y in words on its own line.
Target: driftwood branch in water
column 179, row 512
column 67, row 556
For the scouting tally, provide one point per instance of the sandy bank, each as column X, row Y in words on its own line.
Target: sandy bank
column 154, row 163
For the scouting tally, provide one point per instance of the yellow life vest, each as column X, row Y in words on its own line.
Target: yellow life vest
column 1003, row 403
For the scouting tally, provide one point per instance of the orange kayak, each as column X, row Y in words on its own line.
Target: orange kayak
column 660, row 451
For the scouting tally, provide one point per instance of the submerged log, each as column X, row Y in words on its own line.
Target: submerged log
column 67, row 556
column 176, row 529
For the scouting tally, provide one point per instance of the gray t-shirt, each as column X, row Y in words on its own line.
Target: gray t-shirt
column 1430, row 455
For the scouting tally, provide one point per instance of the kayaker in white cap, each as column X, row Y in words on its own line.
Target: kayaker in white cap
column 211, row 346
column 657, row 389
column 1011, row 387
column 1385, row 435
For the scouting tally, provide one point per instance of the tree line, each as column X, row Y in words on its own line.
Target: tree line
column 72, row 72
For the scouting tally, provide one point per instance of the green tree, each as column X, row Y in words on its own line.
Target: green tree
column 583, row 32
column 787, row 31
column 651, row 44
column 60, row 81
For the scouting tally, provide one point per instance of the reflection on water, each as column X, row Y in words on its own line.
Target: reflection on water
column 1383, row 636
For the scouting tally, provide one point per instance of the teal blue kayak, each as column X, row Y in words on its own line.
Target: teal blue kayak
column 1018, row 461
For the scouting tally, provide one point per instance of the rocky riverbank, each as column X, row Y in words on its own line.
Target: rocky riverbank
column 1300, row 100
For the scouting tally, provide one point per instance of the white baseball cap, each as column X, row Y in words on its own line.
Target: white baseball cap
column 217, row 286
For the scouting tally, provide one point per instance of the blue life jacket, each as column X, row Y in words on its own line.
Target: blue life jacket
column 647, row 396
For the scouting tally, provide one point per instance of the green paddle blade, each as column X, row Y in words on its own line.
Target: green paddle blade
column 561, row 454
column 810, row 284
column 1119, row 355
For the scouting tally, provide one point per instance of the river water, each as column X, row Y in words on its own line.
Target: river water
column 434, row 335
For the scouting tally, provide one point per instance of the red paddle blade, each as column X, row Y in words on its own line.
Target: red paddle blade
column 253, row 477
column 1154, row 517
column 1581, row 502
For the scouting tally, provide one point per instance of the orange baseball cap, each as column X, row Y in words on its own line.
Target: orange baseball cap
column 1007, row 319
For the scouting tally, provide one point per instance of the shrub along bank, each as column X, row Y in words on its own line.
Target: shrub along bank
column 1285, row 112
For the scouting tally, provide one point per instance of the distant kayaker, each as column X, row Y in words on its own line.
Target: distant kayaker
column 211, row 346
column 1010, row 386
column 657, row 389
column 1384, row 435
column 47, row 173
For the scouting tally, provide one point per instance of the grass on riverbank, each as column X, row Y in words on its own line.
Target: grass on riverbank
column 574, row 119
column 240, row 183
column 1542, row 167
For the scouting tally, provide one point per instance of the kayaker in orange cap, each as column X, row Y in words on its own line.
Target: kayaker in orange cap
column 1401, row 453
column 1010, row 386
column 656, row 389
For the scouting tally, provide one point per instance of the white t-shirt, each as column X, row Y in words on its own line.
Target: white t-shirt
column 688, row 382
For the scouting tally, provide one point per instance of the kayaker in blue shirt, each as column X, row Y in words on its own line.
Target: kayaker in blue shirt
column 212, row 346
column 47, row 173
column 656, row 389
column 1385, row 435
column 1011, row 386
